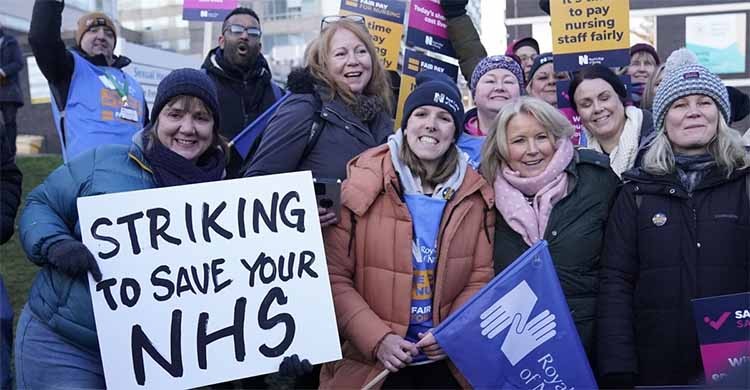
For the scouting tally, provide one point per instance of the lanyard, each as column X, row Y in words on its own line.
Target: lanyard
column 122, row 90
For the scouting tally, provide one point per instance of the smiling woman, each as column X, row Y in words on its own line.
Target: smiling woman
column 396, row 234
column 546, row 190
column 678, row 231
column 619, row 131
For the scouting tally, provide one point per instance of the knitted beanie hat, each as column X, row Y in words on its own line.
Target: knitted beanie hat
column 435, row 89
column 540, row 60
column 496, row 62
column 190, row 82
column 91, row 20
column 689, row 79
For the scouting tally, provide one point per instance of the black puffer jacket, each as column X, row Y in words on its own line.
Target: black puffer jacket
column 10, row 186
column 342, row 137
column 575, row 232
column 242, row 96
column 664, row 247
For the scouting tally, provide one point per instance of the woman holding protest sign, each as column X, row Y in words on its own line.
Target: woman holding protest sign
column 56, row 339
column 412, row 246
column 340, row 106
column 678, row 231
column 496, row 81
column 547, row 190
column 611, row 126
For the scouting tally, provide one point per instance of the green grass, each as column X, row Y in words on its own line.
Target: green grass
column 17, row 271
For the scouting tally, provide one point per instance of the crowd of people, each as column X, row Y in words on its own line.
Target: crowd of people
column 652, row 211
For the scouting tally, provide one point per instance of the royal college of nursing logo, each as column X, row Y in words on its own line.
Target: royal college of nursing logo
column 513, row 310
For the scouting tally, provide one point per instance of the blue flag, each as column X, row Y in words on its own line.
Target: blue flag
column 517, row 331
column 243, row 141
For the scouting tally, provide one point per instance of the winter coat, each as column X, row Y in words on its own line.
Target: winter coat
column 369, row 257
column 62, row 302
column 10, row 192
column 342, row 137
column 11, row 62
column 465, row 40
column 664, row 247
column 242, row 97
column 575, row 234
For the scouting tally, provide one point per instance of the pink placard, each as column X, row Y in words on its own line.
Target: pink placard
column 427, row 16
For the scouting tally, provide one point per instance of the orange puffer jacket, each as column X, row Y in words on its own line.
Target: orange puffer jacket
column 370, row 261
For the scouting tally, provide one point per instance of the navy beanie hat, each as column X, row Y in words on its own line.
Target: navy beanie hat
column 435, row 89
column 190, row 82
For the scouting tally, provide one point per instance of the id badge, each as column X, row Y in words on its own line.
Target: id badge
column 128, row 114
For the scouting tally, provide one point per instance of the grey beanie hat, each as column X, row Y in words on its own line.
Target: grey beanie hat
column 690, row 79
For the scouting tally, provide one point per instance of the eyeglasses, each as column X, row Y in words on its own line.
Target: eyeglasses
column 237, row 30
column 359, row 19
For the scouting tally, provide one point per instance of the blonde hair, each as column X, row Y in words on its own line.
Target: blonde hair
column 495, row 148
column 725, row 147
column 649, row 90
column 316, row 59
column 188, row 104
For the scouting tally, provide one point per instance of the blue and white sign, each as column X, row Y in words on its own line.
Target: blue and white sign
column 719, row 41
column 517, row 331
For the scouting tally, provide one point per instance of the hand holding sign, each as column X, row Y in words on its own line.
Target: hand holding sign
column 525, row 337
column 73, row 258
column 395, row 353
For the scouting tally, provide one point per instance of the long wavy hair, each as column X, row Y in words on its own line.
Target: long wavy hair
column 316, row 59
column 495, row 148
column 725, row 147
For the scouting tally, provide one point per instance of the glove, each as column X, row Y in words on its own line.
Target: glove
column 453, row 8
column 72, row 258
column 620, row 380
column 292, row 367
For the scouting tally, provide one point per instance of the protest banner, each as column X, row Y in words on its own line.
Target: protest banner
column 723, row 325
column 427, row 28
column 208, row 282
column 586, row 32
column 207, row 10
column 415, row 62
column 385, row 21
column 517, row 332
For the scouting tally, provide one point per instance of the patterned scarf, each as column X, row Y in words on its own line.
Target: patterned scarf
column 546, row 189
column 692, row 169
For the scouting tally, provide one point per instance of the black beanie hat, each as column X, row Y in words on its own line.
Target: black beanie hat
column 190, row 82
column 435, row 89
column 538, row 62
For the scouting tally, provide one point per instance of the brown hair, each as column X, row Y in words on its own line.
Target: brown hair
column 188, row 103
column 649, row 90
column 316, row 58
column 445, row 168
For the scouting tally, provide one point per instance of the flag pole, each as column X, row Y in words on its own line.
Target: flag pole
column 377, row 379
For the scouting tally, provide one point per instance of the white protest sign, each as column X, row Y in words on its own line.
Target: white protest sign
column 208, row 282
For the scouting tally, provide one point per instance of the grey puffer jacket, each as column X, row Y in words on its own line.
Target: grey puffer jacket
column 343, row 136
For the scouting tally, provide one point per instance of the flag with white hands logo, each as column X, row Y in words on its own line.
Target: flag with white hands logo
column 517, row 331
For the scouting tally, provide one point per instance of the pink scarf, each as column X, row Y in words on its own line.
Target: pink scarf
column 472, row 127
column 530, row 221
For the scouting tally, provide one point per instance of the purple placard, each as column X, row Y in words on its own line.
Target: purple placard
column 207, row 10
column 427, row 27
column 723, row 327
column 426, row 15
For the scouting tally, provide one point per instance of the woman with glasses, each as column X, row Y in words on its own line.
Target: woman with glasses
column 345, row 90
